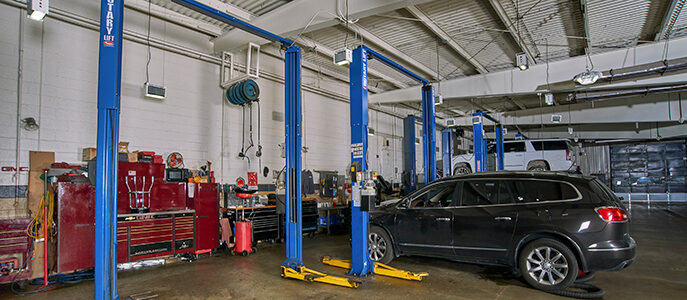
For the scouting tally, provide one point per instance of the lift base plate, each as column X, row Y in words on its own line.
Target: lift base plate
column 380, row 269
column 305, row 274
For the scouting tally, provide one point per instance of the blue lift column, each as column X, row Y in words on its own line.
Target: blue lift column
column 293, row 226
column 360, row 260
column 109, row 86
column 409, row 152
column 429, row 134
column 447, row 151
column 480, row 143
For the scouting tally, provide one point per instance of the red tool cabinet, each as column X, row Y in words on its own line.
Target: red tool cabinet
column 183, row 218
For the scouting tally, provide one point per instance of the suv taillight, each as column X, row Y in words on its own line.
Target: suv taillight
column 567, row 154
column 612, row 214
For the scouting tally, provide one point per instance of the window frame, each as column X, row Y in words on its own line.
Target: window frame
column 516, row 202
column 405, row 204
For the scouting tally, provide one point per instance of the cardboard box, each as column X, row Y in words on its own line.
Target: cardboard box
column 124, row 147
column 133, row 157
column 88, row 154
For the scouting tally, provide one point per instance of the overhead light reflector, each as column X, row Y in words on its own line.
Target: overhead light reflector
column 521, row 61
column 548, row 98
column 37, row 9
column 587, row 77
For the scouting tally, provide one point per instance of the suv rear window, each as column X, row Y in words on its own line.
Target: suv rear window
column 534, row 191
column 550, row 145
column 514, row 147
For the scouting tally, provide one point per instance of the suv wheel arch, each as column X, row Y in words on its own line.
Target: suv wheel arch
column 538, row 163
column 566, row 240
column 397, row 251
column 462, row 165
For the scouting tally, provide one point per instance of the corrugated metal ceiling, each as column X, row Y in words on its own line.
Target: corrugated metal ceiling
column 552, row 29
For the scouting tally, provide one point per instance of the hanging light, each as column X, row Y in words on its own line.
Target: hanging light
column 521, row 61
column 587, row 77
column 37, row 9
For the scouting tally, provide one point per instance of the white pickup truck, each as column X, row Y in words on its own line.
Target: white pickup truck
column 532, row 155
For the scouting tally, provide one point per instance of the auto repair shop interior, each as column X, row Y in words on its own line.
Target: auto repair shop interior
column 343, row 149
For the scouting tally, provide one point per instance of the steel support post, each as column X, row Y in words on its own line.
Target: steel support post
column 447, row 151
column 360, row 260
column 109, row 86
column 429, row 134
column 292, row 95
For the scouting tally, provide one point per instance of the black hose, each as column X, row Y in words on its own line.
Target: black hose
column 588, row 291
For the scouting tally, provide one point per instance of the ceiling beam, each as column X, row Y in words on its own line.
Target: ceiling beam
column 389, row 50
column 511, row 26
column 230, row 9
column 509, row 82
column 617, row 131
column 303, row 16
column 585, row 26
column 330, row 53
column 669, row 19
column 437, row 30
column 648, row 109
column 174, row 17
column 516, row 103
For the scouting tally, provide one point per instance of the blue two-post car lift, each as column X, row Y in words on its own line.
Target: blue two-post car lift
column 480, row 143
column 360, row 263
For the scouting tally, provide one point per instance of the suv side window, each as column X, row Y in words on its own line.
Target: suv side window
column 440, row 195
column 514, row 147
column 485, row 192
column 534, row 191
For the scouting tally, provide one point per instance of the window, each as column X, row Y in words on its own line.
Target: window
column 440, row 195
column 514, row 147
column 550, row 145
column 485, row 192
column 532, row 191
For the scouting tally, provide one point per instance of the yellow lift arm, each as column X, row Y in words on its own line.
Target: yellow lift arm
column 305, row 274
column 380, row 269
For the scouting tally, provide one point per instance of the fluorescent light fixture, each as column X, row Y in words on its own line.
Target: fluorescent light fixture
column 521, row 61
column 155, row 91
column 587, row 77
column 548, row 98
column 343, row 56
column 37, row 9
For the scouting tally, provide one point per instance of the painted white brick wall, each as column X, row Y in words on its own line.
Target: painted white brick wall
column 60, row 88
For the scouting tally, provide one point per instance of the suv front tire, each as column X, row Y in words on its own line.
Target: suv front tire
column 379, row 245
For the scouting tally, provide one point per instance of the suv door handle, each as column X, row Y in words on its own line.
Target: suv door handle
column 443, row 219
column 503, row 218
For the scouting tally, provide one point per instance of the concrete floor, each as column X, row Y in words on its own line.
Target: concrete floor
column 660, row 272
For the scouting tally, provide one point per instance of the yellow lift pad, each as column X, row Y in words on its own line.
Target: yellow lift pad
column 380, row 269
column 305, row 274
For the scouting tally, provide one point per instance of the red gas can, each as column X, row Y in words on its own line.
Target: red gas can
column 243, row 238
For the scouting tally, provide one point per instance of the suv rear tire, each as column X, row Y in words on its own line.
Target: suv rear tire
column 547, row 264
column 462, row 168
column 379, row 244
